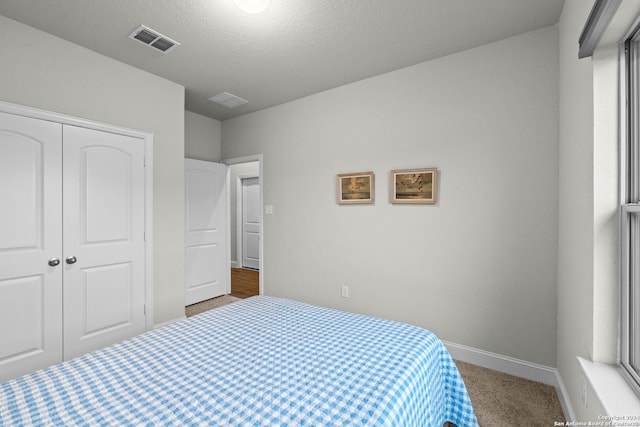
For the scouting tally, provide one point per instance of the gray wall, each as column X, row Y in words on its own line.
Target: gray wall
column 45, row 72
column 201, row 137
column 588, row 283
column 575, row 244
column 479, row 268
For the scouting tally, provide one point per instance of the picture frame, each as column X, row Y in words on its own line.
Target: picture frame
column 355, row 188
column 414, row 186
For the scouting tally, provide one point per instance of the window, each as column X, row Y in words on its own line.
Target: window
column 630, row 214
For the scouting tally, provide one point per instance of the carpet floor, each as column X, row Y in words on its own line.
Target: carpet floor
column 200, row 307
column 505, row 400
column 499, row 399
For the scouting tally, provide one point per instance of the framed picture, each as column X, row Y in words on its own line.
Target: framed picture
column 419, row 186
column 354, row 188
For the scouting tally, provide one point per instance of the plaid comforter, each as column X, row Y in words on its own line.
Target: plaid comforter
column 260, row 362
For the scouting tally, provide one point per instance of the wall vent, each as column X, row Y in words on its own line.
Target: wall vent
column 228, row 100
column 153, row 39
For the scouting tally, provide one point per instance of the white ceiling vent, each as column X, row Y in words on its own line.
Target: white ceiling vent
column 153, row 39
column 228, row 100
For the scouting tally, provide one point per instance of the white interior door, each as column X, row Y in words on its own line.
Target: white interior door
column 30, row 235
column 104, row 249
column 251, row 223
column 207, row 266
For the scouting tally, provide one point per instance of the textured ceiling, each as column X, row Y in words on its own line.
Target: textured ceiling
column 293, row 49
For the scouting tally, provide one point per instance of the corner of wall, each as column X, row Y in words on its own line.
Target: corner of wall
column 203, row 137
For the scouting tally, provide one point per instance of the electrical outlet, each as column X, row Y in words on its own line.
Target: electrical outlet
column 345, row 291
column 583, row 392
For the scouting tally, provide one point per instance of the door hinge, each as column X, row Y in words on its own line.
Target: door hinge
column 145, row 161
column 144, row 309
column 144, row 235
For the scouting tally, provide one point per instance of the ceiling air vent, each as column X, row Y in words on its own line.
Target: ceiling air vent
column 153, row 39
column 228, row 100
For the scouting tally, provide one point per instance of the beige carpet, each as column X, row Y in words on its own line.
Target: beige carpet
column 198, row 308
column 504, row 400
column 499, row 400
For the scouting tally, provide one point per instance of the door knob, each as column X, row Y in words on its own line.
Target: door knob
column 54, row 261
column 71, row 260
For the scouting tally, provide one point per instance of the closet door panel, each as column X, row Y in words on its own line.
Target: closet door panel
column 103, row 239
column 30, row 236
column 107, row 291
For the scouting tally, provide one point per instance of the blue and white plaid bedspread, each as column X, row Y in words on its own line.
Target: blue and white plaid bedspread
column 259, row 362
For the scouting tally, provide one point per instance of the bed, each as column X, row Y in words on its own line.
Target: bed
column 262, row 361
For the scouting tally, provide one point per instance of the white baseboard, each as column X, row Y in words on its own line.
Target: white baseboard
column 512, row 366
column 508, row 365
column 168, row 322
column 565, row 402
column 235, row 264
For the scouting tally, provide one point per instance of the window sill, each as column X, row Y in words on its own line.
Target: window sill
column 612, row 390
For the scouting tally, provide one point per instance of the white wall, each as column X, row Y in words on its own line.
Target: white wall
column 575, row 239
column 588, row 284
column 202, row 137
column 45, row 72
column 479, row 268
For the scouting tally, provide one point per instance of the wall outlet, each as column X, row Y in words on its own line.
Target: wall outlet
column 345, row 291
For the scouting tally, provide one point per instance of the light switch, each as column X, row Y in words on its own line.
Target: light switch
column 268, row 209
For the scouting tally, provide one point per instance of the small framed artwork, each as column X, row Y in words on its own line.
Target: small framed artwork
column 418, row 186
column 354, row 188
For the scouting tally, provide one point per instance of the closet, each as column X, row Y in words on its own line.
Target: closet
column 73, row 256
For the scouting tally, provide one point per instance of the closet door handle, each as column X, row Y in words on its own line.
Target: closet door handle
column 71, row 260
column 54, row 261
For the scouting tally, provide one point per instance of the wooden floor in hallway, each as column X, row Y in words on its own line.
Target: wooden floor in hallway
column 245, row 282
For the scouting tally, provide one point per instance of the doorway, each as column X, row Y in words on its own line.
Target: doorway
column 249, row 229
column 246, row 218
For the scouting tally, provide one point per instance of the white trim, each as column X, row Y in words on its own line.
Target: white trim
column 508, row 365
column 234, row 264
column 243, row 159
column 517, row 367
column 168, row 322
column 246, row 159
column 148, row 230
column 612, row 390
column 238, row 235
column 36, row 113
column 565, row 401
column 227, row 184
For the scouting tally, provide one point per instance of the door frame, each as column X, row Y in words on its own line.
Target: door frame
column 247, row 159
column 35, row 113
column 239, row 217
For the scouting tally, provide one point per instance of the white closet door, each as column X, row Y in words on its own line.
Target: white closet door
column 103, row 244
column 30, row 235
column 207, row 266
